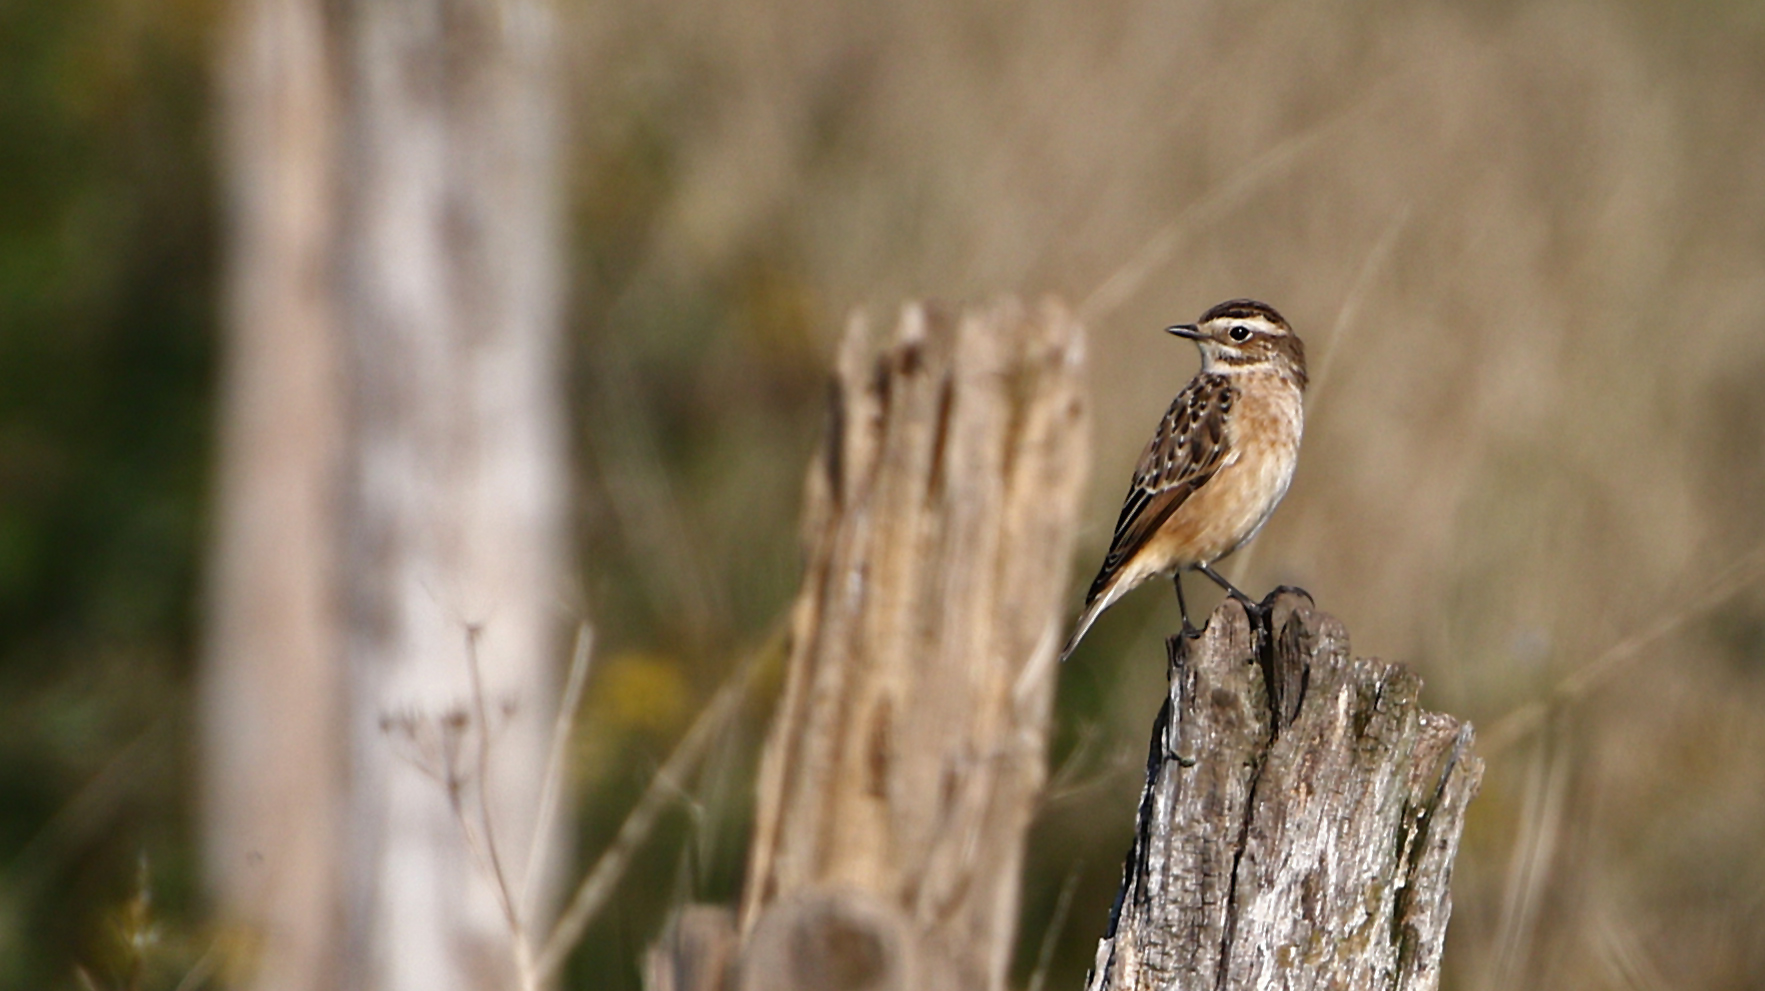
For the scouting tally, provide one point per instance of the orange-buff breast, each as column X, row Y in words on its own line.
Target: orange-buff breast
column 1263, row 436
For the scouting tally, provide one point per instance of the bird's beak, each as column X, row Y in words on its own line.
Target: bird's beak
column 1188, row 330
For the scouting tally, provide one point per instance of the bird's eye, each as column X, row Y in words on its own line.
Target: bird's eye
column 1239, row 333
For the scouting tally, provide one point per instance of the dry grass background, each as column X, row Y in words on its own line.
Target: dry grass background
column 1525, row 245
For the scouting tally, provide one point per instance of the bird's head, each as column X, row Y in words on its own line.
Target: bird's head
column 1243, row 335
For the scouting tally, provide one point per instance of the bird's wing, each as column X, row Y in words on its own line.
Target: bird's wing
column 1189, row 447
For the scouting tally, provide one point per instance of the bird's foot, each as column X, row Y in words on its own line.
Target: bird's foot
column 1259, row 613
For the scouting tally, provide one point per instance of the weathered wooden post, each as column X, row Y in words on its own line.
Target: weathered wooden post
column 1299, row 821
column 908, row 750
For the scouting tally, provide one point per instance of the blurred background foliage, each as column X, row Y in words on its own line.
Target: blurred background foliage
column 107, row 342
column 1525, row 244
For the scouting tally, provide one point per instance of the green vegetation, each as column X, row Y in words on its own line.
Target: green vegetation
column 107, row 334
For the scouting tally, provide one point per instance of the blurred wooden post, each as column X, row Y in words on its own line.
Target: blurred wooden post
column 908, row 749
column 1299, row 821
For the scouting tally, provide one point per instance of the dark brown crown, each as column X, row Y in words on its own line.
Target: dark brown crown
column 1244, row 309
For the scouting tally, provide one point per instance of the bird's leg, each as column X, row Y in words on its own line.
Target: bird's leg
column 1231, row 589
column 1189, row 629
column 1259, row 617
column 1250, row 605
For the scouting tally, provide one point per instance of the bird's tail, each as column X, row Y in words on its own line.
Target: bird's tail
column 1093, row 609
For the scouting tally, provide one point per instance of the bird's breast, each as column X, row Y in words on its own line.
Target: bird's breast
column 1262, row 439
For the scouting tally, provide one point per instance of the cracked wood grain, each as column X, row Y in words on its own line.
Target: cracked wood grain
column 1299, row 821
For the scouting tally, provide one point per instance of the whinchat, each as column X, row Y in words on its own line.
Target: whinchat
column 1220, row 461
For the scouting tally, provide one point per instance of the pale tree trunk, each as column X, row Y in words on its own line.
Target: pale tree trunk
column 454, row 499
column 274, row 753
column 427, row 469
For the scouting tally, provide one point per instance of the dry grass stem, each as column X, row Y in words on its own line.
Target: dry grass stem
column 484, row 846
column 1626, row 959
column 201, row 970
column 601, row 880
column 1121, row 285
column 628, row 460
column 1516, row 725
column 554, row 762
column 1350, row 310
column 1056, row 925
column 1529, row 869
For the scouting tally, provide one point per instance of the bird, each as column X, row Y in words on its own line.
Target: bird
column 1219, row 463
